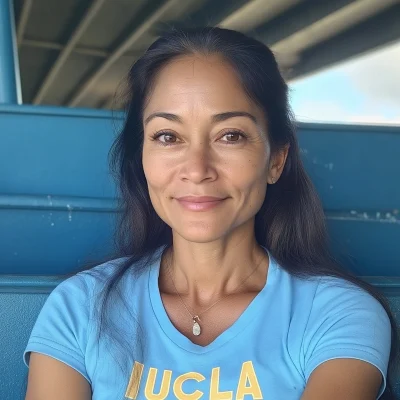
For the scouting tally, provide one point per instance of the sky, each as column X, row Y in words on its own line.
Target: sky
column 363, row 90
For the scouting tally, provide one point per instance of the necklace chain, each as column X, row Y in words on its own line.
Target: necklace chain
column 196, row 317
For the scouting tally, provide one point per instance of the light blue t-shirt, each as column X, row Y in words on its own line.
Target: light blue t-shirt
column 290, row 328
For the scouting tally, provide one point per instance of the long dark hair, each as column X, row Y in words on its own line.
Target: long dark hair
column 290, row 223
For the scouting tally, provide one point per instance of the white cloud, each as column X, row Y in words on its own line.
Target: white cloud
column 311, row 111
column 328, row 111
column 377, row 75
column 365, row 90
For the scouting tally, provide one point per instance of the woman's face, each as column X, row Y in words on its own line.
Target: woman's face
column 203, row 136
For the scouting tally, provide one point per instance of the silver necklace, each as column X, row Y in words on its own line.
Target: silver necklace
column 196, row 329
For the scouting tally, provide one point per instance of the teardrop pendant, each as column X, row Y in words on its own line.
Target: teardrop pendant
column 196, row 327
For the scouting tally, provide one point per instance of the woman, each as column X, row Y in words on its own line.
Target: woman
column 224, row 287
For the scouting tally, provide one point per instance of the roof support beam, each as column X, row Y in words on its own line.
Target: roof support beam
column 10, row 83
column 86, row 51
column 213, row 12
column 255, row 12
column 155, row 17
column 65, row 53
column 311, row 22
column 23, row 20
column 355, row 41
column 331, row 25
column 299, row 17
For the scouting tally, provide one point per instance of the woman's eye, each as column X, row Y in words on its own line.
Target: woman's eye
column 233, row 137
column 168, row 138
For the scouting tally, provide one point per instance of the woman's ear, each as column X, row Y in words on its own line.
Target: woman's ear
column 277, row 163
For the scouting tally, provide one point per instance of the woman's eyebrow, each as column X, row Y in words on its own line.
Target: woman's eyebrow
column 215, row 118
column 168, row 116
column 231, row 114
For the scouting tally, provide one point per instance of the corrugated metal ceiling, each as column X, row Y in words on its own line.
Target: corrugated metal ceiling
column 77, row 52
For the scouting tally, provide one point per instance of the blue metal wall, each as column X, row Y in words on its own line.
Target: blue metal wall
column 57, row 198
column 356, row 171
column 56, row 195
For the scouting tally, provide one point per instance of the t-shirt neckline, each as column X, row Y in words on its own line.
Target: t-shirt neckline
column 251, row 313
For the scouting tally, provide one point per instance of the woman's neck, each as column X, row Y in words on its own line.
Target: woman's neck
column 205, row 272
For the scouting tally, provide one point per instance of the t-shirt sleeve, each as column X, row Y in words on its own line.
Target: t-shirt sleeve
column 61, row 328
column 347, row 322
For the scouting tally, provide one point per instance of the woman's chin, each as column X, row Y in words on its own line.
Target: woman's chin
column 201, row 234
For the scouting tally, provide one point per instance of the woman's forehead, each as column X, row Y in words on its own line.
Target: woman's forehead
column 202, row 83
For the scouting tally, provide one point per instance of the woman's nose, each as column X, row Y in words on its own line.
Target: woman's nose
column 199, row 164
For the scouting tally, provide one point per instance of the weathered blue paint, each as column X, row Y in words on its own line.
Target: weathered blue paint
column 10, row 83
column 58, row 203
column 29, row 283
column 56, row 111
column 354, row 167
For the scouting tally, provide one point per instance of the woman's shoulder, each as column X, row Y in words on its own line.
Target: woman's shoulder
column 103, row 271
column 340, row 291
column 328, row 288
column 336, row 298
column 328, row 295
column 95, row 278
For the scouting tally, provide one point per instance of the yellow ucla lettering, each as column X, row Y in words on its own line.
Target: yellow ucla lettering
column 247, row 374
column 151, row 381
column 179, row 381
column 248, row 384
column 215, row 394
column 134, row 382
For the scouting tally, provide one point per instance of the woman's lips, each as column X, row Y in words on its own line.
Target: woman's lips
column 199, row 203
